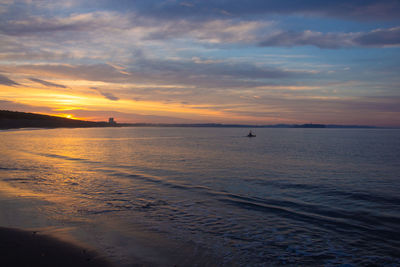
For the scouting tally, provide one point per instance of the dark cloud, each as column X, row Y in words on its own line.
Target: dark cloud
column 377, row 38
column 199, row 10
column 6, row 81
column 38, row 25
column 15, row 106
column 291, row 38
column 50, row 84
column 205, row 73
column 107, row 95
column 13, row 24
column 193, row 68
column 192, row 73
column 380, row 37
column 94, row 72
column 218, row 31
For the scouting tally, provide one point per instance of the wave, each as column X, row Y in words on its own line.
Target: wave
column 368, row 223
column 329, row 191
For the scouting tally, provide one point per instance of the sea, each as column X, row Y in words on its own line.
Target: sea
column 165, row 196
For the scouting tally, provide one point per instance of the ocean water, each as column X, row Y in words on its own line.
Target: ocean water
column 210, row 196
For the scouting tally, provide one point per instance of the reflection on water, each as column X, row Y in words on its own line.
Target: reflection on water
column 288, row 196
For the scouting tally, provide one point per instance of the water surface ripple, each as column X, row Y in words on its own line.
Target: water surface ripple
column 288, row 197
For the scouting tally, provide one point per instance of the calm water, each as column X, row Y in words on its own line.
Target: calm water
column 288, row 196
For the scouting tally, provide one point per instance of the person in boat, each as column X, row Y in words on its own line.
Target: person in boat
column 251, row 134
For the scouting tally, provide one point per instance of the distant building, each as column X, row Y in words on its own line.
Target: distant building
column 111, row 121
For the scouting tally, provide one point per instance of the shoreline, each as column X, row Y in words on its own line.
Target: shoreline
column 29, row 238
column 28, row 224
column 31, row 248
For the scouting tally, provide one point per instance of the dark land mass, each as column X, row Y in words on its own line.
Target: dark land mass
column 15, row 119
column 25, row 248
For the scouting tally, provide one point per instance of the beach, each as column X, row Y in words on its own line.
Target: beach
column 30, row 239
column 36, row 230
column 32, row 248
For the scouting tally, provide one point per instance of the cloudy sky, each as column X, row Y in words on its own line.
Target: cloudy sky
column 222, row 61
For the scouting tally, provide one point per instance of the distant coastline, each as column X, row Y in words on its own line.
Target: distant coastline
column 221, row 125
column 16, row 120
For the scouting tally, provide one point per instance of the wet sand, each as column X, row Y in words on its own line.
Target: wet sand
column 31, row 248
column 32, row 234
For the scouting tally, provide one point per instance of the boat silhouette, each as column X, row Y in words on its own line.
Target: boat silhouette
column 251, row 134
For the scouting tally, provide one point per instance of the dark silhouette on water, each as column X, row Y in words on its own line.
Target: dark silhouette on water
column 112, row 122
column 251, row 134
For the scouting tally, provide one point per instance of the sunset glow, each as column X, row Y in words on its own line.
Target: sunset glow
column 163, row 61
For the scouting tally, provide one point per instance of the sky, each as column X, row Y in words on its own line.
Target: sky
column 203, row 61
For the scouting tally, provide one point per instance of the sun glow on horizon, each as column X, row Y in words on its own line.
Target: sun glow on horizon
column 67, row 116
column 70, row 104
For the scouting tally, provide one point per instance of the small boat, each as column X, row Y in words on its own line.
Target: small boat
column 251, row 134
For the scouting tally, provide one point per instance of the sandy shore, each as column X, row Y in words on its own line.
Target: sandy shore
column 24, row 248
column 39, row 243
column 56, row 234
